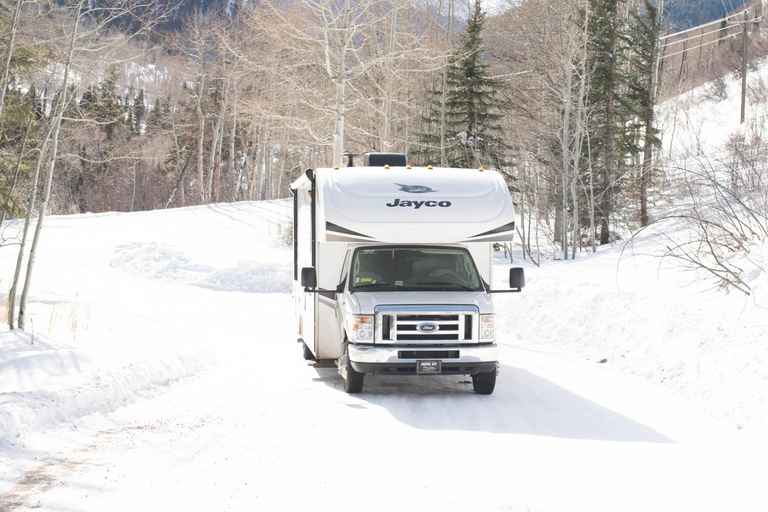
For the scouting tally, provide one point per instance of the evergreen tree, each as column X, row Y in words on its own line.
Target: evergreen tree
column 642, row 92
column 608, row 44
column 138, row 111
column 623, row 55
column 110, row 111
column 472, row 108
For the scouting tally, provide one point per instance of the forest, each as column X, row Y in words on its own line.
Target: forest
column 130, row 105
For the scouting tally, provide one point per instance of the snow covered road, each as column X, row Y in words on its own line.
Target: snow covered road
column 242, row 422
column 253, row 435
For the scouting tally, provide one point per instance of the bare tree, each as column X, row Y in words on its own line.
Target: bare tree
column 83, row 31
column 25, row 232
column 549, row 83
column 326, row 41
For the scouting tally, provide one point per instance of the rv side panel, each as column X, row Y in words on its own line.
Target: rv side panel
column 482, row 253
column 305, row 302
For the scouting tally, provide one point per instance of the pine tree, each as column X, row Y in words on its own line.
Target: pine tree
column 472, row 107
column 613, row 112
column 642, row 91
column 623, row 55
column 138, row 111
column 110, row 111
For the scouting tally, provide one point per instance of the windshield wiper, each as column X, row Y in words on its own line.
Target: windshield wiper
column 380, row 283
column 446, row 283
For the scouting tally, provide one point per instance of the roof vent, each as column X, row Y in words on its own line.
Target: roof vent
column 382, row 159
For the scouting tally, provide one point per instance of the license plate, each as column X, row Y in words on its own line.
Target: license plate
column 428, row 366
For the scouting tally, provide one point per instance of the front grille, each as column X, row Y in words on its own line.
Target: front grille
column 410, row 369
column 428, row 354
column 408, row 327
column 427, row 337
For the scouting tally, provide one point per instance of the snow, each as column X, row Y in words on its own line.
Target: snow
column 106, row 328
column 160, row 372
column 703, row 345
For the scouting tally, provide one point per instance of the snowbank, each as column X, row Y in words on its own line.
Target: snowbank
column 635, row 314
column 112, row 314
column 82, row 393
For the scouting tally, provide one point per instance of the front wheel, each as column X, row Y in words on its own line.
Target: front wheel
column 353, row 381
column 483, row 383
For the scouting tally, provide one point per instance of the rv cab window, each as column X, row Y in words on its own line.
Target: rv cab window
column 414, row 269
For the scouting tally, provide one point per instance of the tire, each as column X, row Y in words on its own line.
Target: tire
column 353, row 381
column 308, row 355
column 483, row 383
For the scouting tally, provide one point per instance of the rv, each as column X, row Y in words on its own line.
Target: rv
column 393, row 269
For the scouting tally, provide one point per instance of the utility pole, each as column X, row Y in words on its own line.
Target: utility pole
column 744, row 59
column 744, row 70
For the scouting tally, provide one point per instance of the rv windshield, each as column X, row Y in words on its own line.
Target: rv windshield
column 414, row 269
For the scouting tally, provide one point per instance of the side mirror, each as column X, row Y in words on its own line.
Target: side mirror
column 308, row 277
column 516, row 278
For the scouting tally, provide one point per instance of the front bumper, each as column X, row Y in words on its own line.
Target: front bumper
column 455, row 360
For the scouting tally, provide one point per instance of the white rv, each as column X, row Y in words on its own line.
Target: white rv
column 393, row 266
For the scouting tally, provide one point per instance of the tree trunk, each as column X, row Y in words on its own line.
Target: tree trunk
column 566, row 157
column 645, row 176
column 27, row 222
column 219, row 146
column 212, row 170
column 592, row 228
column 607, row 198
column 200, row 144
column 536, row 191
column 582, row 128
column 133, row 191
column 232, row 145
column 180, row 169
column 338, row 132
column 263, row 163
column 645, row 173
column 443, row 124
column 386, row 142
column 253, row 172
column 59, row 114
column 524, row 178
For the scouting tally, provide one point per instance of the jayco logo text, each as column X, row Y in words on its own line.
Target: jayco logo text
column 418, row 204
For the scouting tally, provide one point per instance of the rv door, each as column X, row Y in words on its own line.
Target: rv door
column 328, row 313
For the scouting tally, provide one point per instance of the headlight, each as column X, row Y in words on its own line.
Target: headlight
column 487, row 328
column 362, row 329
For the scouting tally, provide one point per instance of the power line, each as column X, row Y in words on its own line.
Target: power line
column 727, row 19
column 699, row 46
column 671, row 43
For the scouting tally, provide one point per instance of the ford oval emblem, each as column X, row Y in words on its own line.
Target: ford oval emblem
column 427, row 327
